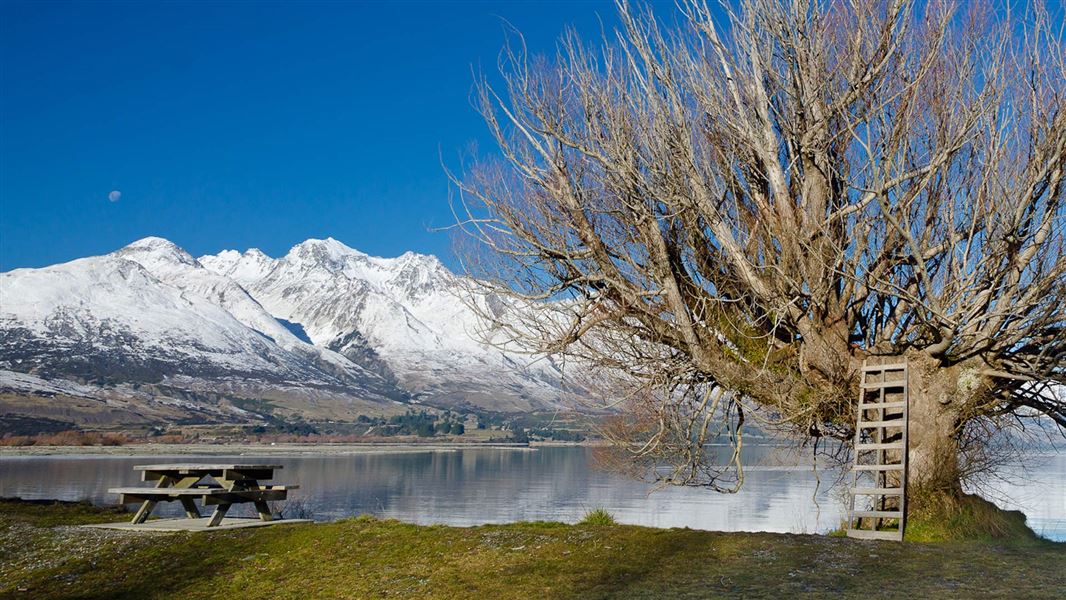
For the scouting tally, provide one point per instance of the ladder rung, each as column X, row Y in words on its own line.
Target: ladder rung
column 869, row 534
column 884, row 514
column 876, row 385
column 891, row 367
column 892, row 423
column 873, row 405
column 885, row 446
column 877, row 491
column 878, row 467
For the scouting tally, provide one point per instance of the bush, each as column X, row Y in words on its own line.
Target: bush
column 66, row 438
column 598, row 517
column 292, row 508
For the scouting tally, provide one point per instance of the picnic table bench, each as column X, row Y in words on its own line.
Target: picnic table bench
column 219, row 485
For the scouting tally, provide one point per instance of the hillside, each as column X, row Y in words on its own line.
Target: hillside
column 149, row 333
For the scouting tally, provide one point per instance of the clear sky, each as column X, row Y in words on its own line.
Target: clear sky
column 237, row 125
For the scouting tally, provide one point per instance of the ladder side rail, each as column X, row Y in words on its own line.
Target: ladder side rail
column 855, row 459
column 906, row 450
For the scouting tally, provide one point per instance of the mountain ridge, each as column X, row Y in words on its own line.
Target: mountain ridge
column 323, row 323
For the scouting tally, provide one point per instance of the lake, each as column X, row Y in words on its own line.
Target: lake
column 471, row 486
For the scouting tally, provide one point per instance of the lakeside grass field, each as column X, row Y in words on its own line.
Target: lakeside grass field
column 44, row 554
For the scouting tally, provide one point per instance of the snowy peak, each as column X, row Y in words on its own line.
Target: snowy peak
column 221, row 262
column 246, row 267
column 156, row 244
column 418, row 275
column 158, row 253
column 328, row 247
column 411, row 274
column 328, row 254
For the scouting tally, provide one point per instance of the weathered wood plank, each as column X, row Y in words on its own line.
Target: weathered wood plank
column 873, row 424
column 202, row 467
column 888, row 367
column 883, row 514
column 244, row 496
column 276, row 492
column 142, row 513
column 886, row 446
column 877, row 491
column 241, row 474
column 264, row 511
column 876, row 405
column 897, row 467
column 869, row 534
column 877, row 385
column 163, row 492
column 216, row 517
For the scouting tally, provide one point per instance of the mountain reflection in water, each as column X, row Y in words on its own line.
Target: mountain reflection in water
column 492, row 485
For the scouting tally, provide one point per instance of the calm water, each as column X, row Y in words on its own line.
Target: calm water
column 474, row 486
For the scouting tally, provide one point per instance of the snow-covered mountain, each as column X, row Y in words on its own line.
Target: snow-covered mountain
column 402, row 316
column 325, row 325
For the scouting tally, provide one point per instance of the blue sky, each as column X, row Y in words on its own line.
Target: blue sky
column 236, row 125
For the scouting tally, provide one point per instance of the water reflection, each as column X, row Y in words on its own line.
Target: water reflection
column 474, row 486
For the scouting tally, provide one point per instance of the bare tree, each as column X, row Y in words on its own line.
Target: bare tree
column 734, row 211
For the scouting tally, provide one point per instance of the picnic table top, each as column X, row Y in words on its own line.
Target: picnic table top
column 205, row 467
column 167, row 491
column 199, row 491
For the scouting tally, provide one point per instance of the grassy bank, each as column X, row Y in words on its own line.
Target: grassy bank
column 44, row 555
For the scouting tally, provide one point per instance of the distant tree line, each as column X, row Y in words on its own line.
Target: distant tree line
column 423, row 424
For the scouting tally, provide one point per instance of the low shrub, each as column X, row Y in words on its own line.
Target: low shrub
column 598, row 517
column 65, row 438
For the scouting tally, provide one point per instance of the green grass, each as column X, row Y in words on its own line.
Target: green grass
column 967, row 518
column 50, row 513
column 598, row 517
column 365, row 557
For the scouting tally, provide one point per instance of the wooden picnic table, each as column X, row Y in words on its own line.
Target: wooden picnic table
column 221, row 485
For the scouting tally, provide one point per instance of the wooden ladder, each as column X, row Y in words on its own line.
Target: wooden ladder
column 880, row 453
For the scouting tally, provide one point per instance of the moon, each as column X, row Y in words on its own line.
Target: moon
column 114, row 195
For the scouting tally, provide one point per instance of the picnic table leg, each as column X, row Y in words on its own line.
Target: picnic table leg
column 216, row 517
column 264, row 510
column 142, row 513
column 148, row 505
column 190, row 508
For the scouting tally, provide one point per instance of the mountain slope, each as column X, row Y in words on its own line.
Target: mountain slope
column 175, row 267
column 403, row 315
column 325, row 330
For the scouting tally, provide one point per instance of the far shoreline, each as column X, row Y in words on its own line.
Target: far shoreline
column 271, row 449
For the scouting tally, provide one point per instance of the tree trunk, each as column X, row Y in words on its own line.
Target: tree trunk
column 939, row 397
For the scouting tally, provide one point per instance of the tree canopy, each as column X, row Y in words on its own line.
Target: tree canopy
column 733, row 208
